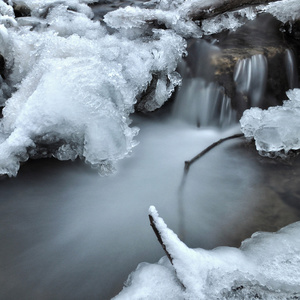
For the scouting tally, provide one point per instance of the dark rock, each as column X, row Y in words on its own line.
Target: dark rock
column 21, row 10
column 261, row 36
column 277, row 83
column 2, row 66
column 147, row 95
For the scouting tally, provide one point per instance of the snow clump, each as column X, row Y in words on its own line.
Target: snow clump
column 73, row 82
column 266, row 266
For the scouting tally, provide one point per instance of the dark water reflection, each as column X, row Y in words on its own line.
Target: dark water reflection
column 67, row 233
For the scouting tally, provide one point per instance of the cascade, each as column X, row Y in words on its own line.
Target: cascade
column 291, row 70
column 201, row 101
column 250, row 67
column 250, row 76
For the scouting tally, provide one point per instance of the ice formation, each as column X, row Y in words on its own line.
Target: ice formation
column 74, row 84
column 266, row 266
column 284, row 10
column 275, row 130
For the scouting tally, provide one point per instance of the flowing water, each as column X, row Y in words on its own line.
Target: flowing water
column 68, row 233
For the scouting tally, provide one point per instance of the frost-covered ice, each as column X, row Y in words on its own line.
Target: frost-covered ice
column 133, row 17
column 228, row 21
column 276, row 129
column 284, row 10
column 74, row 84
column 266, row 266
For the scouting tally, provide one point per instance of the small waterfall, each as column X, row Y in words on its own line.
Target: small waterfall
column 250, row 77
column 291, row 70
column 201, row 101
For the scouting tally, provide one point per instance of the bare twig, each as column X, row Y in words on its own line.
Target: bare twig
column 188, row 163
column 156, row 224
column 152, row 223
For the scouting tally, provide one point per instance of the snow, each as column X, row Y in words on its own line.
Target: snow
column 284, row 10
column 266, row 266
column 275, row 130
column 6, row 10
column 74, row 85
column 134, row 17
column 228, row 21
column 41, row 8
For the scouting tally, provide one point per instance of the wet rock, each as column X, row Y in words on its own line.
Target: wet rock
column 2, row 66
column 276, row 84
column 261, row 37
column 21, row 10
column 147, row 95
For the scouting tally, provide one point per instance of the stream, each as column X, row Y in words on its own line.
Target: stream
column 68, row 233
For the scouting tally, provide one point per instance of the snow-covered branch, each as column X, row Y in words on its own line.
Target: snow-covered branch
column 266, row 266
column 200, row 10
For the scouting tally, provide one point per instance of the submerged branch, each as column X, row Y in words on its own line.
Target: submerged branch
column 188, row 163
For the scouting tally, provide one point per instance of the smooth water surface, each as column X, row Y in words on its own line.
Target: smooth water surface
column 67, row 233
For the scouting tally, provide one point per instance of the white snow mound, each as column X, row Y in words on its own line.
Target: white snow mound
column 266, row 266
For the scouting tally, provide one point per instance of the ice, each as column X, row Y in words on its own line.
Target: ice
column 42, row 8
column 134, row 17
column 6, row 10
column 228, row 21
column 266, row 266
column 75, row 85
column 275, row 130
column 176, row 15
column 284, row 10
